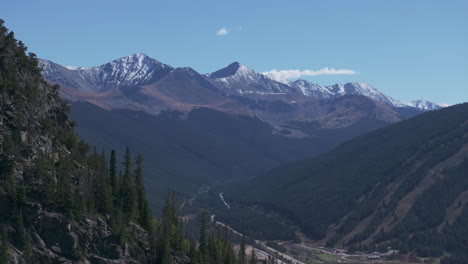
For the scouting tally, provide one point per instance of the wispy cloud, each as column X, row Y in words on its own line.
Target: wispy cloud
column 284, row 75
column 222, row 31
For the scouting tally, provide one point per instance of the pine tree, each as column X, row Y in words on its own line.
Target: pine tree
column 113, row 173
column 167, row 234
column 144, row 214
column 203, row 247
column 193, row 254
column 90, row 196
column 6, row 161
column 165, row 256
column 229, row 256
column 253, row 258
column 242, row 255
column 65, row 189
column 103, row 187
column 146, row 220
column 21, row 233
column 4, row 256
column 127, row 194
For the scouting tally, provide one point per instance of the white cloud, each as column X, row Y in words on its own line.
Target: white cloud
column 284, row 75
column 223, row 31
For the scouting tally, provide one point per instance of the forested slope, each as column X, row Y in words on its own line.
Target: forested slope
column 185, row 152
column 404, row 185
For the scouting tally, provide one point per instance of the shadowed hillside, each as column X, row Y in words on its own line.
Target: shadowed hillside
column 402, row 186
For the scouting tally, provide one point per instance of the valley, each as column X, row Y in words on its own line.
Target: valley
column 237, row 133
column 231, row 124
column 233, row 132
column 306, row 251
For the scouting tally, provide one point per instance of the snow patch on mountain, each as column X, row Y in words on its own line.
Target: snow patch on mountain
column 240, row 79
column 421, row 104
column 355, row 88
column 74, row 68
column 134, row 70
column 362, row 88
column 311, row 89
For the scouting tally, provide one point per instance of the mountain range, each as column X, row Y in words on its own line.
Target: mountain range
column 138, row 82
column 166, row 113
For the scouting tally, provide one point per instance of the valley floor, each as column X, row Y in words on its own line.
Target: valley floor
column 311, row 252
column 302, row 251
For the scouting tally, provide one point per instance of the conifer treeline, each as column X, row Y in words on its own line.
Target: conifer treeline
column 118, row 194
column 119, row 197
column 169, row 241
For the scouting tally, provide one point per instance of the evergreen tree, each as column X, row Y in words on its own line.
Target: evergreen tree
column 193, row 254
column 242, row 256
column 144, row 214
column 113, row 173
column 165, row 256
column 253, row 258
column 167, row 231
column 4, row 246
column 66, row 196
column 103, row 187
column 21, row 233
column 127, row 194
column 203, row 247
column 6, row 162
column 229, row 256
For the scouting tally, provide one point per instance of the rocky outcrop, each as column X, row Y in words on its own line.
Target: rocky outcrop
column 57, row 239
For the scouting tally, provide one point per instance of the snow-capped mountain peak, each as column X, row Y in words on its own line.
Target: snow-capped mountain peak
column 240, row 79
column 311, row 89
column 137, row 60
column 134, row 70
column 421, row 104
column 233, row 69
column 360, row 88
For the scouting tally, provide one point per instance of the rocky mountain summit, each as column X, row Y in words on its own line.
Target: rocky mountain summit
column 134, row 70
column 238, row 79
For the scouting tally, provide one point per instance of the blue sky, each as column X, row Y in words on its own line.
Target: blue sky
column 408, row 49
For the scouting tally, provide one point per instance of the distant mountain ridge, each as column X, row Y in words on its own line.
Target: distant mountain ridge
column 140, row 69
column 138, row 82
